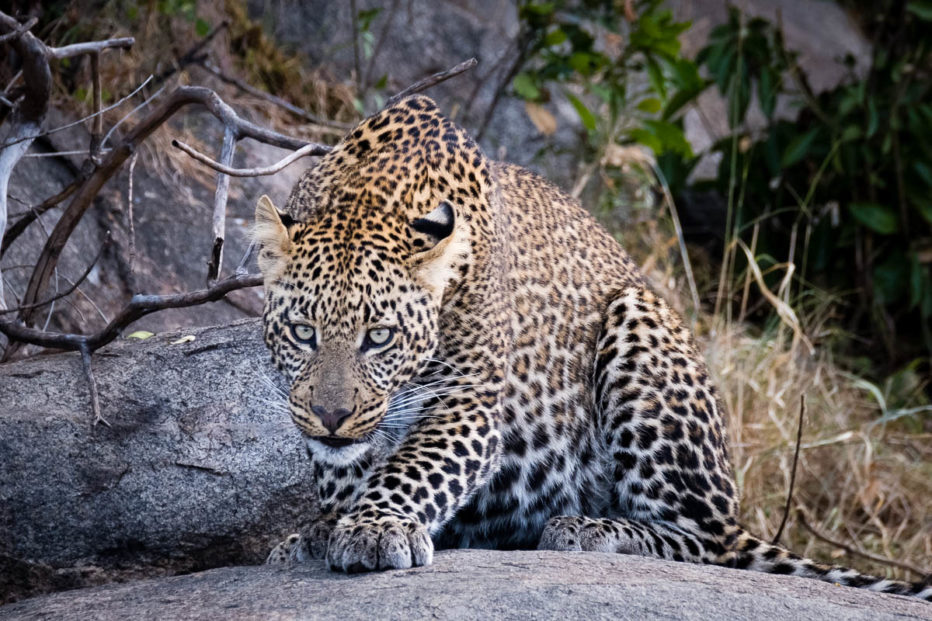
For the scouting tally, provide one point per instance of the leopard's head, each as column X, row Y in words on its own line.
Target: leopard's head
column 356, row 269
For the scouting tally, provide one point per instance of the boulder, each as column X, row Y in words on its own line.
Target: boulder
column 479, row 584
column 194, row 471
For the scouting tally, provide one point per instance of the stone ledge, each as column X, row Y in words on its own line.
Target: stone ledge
column 478, row 584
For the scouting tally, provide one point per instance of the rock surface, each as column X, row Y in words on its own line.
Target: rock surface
column 194, row 472
column 479, row 584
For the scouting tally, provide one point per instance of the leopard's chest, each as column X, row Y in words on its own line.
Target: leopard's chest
column 550, row 465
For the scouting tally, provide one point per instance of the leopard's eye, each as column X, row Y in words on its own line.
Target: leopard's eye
column 378, row 337
column 303, row 333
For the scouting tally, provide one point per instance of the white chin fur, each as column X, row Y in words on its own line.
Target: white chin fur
column 343, row 456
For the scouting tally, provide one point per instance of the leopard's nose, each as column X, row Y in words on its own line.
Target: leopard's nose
column 331, row 419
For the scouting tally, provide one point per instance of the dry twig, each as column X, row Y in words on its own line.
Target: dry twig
column 139, row 306
column 437, row 78
column 789, row 493
column 308, row 150
column 71, row 288
column 852, row 550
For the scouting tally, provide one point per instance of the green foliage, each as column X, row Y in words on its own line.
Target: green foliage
column 596, row 55
column 839, row 184
column 844, row 189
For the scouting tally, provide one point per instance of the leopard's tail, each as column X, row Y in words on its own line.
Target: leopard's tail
column 755, row 554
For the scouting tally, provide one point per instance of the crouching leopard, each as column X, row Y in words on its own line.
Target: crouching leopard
column 474, row 362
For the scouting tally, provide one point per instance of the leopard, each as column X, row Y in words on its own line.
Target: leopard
column 472, row 361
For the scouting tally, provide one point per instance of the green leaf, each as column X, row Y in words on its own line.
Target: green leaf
column 798, row 148
column 201, row 27
column 655, row 77
column 891, row 278
column 544, row 8
column 766, row 92
column 924, row 206
column 524, row 86
column 651, row 105
column 681, row 98
column 140, row 335
column 555, row 37
column 923, row 171
column 585, row 115
column 670, row 137
column 852, row 132
column 646, row 138
column 366, row 17
column 921, row 9
column 878, row 218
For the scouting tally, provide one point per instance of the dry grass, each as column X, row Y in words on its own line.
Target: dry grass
column 860, row 481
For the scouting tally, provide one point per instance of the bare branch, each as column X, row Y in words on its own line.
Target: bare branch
column 71, row 288
column 789, row 493
column 852, row 550
column 32, row 21
column 97, row 132
column 437, row 78
column 180, row 97
column 86, row 118
column 145, row 103
column 220, row 206
column 129, row 217
column 89, row 47
column 278, row 101
column 92, row 385
column 138, row 307
column 29, row 115
column 308, row 150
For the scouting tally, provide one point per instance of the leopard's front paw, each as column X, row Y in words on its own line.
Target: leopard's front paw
column 383, row 542
column 312, row 545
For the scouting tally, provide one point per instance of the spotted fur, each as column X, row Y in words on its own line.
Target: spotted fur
column 534, row 391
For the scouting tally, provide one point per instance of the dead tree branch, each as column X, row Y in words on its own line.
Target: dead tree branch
column 180, row 97
column 437, row 78
column 73, row 285
column 28, row 117
column 92, row 385
column 139, row 306
column 94, row 115
column 220, row 206
column 32, row 21
column 89, row 47
column 311, row 149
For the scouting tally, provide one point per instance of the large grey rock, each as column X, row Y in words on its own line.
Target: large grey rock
column 194, row 472
column 474, row 584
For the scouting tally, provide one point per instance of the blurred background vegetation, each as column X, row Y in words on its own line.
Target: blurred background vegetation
column 798, row 241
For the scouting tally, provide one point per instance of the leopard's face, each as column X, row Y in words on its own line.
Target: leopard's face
column 348, row 326
column 355, row 275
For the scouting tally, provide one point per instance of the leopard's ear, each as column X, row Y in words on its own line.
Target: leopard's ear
column 440, row 242
column 272, row 238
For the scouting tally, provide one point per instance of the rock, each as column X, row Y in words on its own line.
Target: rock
column 195, row 471
column 479, row 584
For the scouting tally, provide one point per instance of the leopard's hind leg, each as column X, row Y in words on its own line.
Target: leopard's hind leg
column 672, row 494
